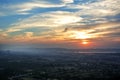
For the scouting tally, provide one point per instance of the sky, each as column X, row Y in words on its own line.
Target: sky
column 60, row 23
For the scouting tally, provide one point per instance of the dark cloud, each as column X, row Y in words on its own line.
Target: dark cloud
column 65, row 30
column 113, row 34
column 97, row 27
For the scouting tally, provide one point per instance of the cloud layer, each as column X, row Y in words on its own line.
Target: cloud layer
column 63, row 21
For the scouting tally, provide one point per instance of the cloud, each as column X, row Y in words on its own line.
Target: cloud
column 65, row 30
column 97, row 20
column 98, row 33
column 29, row 34
column 99, row 30
column 49, row 20
column 25, row 37
column 24, row 8
column 2, row 14
column 68, row 1
column 98, row 8
column 1, row 30
column 3, row 37
column 35, row 4
column 13, row 30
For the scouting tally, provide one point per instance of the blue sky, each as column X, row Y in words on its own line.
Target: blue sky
column 60, row 22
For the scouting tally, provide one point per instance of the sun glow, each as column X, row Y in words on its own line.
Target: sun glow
column 81, row 35
column 84, row 42
column 67, row 19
